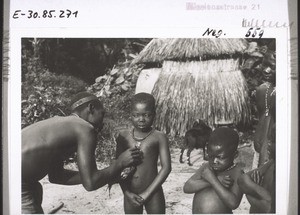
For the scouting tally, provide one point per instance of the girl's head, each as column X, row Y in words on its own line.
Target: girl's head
column 222, row 148
column 142, row 111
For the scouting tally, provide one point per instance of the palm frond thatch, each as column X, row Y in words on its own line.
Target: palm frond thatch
column 181, row 49
column 186, row 91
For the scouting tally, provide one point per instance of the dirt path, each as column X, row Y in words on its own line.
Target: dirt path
column 78, row 201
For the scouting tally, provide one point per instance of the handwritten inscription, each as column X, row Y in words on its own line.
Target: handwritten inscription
column 255, row 23
column 213, row 32
column 255, row 32
column 30, row 14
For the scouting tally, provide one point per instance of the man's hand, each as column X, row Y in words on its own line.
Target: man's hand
column 134, row 199
column 226, row 180
column 257, row 177
column 132, row 156
column 208, row 174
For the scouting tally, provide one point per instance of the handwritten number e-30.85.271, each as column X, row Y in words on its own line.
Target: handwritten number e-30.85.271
column 30, row 14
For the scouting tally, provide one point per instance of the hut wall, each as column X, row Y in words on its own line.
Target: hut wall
column 147, row 79
column 209, row 90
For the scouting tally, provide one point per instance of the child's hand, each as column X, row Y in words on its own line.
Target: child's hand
column 208, row 174
column 134, row 199
column 226, row 180
column 143, row 196
column 257, row 177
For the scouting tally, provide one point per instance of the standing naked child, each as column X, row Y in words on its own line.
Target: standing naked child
column 215, row 183
column 143, row 187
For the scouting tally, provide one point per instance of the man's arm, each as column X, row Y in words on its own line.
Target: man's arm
column 165, row 159
column 230, row 197
column 92, row 178
column 196, row 182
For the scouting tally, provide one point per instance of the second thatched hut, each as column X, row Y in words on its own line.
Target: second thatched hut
column 199, row 79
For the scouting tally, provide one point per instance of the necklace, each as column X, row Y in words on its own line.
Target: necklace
column 139, row 140
column 231, row 167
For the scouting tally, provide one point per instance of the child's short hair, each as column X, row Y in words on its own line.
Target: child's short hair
column 80, row 100
column 226, row 137
column 144, row 98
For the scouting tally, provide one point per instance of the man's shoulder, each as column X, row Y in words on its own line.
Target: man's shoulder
column 79, row 122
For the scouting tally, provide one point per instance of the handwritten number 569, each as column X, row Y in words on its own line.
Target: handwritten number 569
column 254, row 32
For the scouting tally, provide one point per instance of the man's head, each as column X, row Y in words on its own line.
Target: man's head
column 222, row 148
column 142, row 111
column 88, row 107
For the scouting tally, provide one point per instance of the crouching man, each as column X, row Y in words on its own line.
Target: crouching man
column 46, row 144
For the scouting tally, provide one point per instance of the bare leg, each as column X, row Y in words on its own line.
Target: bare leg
column 156, row 204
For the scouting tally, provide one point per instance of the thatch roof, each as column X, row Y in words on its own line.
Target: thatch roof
column 186, row 49
column 186, row 91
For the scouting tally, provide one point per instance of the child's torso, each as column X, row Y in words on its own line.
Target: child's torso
column 147, row 170
column 208, row 201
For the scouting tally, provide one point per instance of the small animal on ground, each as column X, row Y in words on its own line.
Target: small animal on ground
column 195, row 138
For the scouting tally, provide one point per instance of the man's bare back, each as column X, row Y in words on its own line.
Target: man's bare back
column 48, row 142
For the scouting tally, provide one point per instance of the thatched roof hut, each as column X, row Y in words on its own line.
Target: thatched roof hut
column 199, row 79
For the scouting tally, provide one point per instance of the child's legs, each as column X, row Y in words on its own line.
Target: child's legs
column 156, row 204
column 129, row 208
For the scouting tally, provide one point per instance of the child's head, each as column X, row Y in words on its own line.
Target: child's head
column 269, row 66
column 222, row 148
column 142, row 111
column 88, row 107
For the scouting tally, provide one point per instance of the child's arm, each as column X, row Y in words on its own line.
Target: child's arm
column 230, row 197
column 196, row 182
column 165, row 160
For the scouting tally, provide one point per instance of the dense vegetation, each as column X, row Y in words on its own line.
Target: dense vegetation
column 55, row 69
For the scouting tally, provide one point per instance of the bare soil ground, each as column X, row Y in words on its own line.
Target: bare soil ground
column 76, row 200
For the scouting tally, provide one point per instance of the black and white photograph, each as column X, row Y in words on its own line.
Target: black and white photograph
column 150, row 107
column 153, row 125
